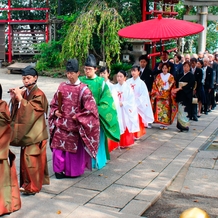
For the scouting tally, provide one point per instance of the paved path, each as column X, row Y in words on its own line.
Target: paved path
column 133, row 179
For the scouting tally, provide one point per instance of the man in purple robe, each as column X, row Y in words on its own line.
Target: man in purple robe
column 74, row 126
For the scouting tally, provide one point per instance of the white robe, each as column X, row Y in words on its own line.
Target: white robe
column 129, row 116
column 116, row 102
column 142, row 99
column 110, row 85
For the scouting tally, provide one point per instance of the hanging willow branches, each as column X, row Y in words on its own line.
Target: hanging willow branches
column 96, row 20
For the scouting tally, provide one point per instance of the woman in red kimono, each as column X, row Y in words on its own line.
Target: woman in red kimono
column 9, row 191
column 162, row 99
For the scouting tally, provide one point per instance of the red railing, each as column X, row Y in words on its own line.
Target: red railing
column 9, row 21
column 155, row 12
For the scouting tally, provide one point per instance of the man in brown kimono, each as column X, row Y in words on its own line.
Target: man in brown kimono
column 9, row 191
column 29, row 107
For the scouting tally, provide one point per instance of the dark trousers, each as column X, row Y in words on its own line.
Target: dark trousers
column 193, row 112
column 188, row 109
column 208, row 99
column 213, row 97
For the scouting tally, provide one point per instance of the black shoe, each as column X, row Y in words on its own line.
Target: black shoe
column 198, row 116
column 195, row 119
column 206, row 113
column 184, row 130
column 60, row 175
column 181, row 128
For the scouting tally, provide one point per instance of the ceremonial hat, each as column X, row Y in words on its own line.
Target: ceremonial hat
column 194, row 213
column 29, row 70
column 91, row 61
column 72, row 65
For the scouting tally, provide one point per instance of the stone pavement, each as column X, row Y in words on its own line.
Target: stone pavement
column 133, row 179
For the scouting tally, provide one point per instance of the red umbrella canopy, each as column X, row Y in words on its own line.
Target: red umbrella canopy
column 160, row 28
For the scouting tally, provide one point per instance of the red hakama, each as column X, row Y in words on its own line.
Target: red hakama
column 142, row 131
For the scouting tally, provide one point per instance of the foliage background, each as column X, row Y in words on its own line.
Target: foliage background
column 105, row 47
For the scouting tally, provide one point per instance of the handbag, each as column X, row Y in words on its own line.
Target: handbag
column 194, row 100
column 181, row 84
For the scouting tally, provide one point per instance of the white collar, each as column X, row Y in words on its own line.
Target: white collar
column 136, row 78
column 165, row 61
column 76, row 83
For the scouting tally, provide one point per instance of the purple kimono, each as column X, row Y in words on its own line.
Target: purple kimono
column 74, row 136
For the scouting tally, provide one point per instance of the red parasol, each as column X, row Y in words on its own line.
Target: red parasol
column 160, row 28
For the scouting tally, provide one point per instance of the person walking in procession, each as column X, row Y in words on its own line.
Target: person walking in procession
column 104, row 73
column 184, row 93
column 129, row 115
column 9, row 190
column 142, row 100
column 146, row 73
column 29, row 108
column 74, row 126
column 162, row 99
column 109, row 126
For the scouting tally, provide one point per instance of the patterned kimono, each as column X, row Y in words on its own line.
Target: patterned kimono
column 9, row 191
column 109, row 127
column 163, row 102
column 74, row 141
column 29, row 132
column 143, row 104
column 129, row 115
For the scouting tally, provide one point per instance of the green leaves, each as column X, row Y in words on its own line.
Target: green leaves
column 96, row 23
column 49, row 55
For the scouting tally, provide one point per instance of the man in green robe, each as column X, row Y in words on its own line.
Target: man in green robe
column 106, row 109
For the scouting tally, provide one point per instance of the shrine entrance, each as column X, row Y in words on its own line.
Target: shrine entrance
column 20, row 36
column 166, row 9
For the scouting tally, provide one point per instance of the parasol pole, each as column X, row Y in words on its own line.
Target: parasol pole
column 161, row 47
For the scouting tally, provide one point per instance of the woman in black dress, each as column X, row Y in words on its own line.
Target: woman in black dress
column 184, row 92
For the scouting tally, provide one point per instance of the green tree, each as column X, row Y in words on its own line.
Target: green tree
column 96, row 23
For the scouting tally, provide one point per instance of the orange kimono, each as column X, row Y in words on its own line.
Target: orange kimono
column 30, row 133
column 9, row 191
column 162, row 100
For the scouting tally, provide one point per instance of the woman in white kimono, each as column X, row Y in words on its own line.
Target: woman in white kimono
column 142, row 100
column 129, row 116
column 104, row 73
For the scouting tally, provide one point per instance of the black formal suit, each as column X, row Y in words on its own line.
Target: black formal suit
column 215, row 72
column 148, row 77
column 208, row 83
column 178, row 68
column 214, row 66
column 208, row 86
column 157, row 71
column 198, row 74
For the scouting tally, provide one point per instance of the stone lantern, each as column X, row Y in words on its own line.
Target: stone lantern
column 138, row 50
